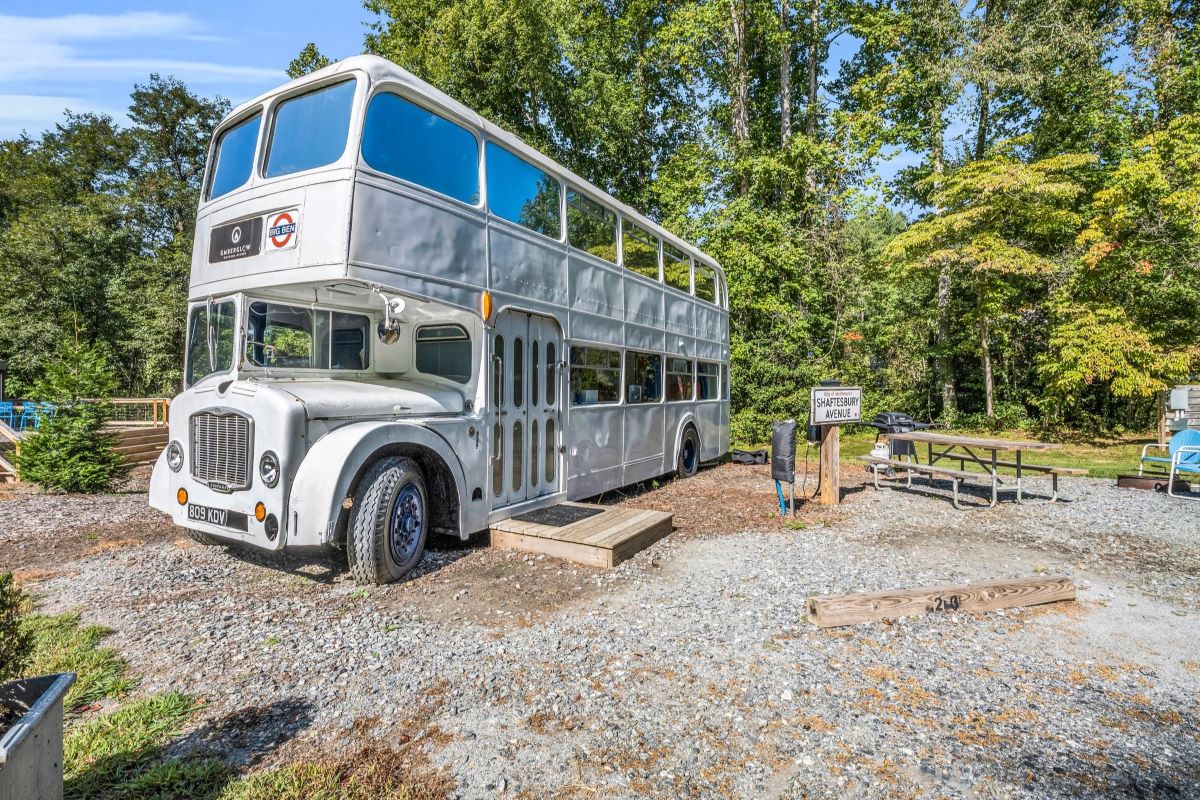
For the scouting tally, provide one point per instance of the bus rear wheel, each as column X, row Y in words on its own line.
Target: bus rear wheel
column 388, row 522
column 689, row 454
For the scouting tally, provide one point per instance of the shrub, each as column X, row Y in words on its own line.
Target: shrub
column 15, row 641
column 71, row 451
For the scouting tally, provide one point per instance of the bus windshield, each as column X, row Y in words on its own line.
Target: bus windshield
column 301, row 337
column 310, row 130
column 210, row 348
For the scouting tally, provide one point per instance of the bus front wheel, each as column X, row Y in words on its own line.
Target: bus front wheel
column 689, row 454
column 202, row 538
column 388, row 522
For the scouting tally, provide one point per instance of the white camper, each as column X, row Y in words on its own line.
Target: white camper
column 403, row 319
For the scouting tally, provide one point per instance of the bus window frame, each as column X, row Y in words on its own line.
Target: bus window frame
column 353, row 126
column 486, row 193
column 245, row 364
column 658, row 240
column 568, row 188
column 403, row 92
column 260, row 110
column 570, row 345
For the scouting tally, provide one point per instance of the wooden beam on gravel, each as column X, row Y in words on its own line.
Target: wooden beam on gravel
column 848, row 609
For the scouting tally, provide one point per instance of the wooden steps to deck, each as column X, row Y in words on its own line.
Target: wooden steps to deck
column 10, row 439
column 140, row 445
column 602, row 540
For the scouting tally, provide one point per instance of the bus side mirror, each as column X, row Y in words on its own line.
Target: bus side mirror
column 389, row 331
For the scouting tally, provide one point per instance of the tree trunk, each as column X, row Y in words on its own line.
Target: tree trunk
column 814, row 55
column 985, row 86
column 740, row 81
column 810, row 106
column 981, row 134
column 945, row 360
column 985, row 350
column 785, row 75
column 741, row 78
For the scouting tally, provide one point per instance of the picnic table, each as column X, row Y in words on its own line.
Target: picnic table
column 984, row 453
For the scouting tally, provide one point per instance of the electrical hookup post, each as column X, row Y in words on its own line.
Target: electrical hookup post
column 833, row 405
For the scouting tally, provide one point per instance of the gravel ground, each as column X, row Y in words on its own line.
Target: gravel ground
column 689, row 671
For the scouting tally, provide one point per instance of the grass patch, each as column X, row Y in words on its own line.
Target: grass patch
column 373, row 774
column 61, row 644
column 1101, row 458
column 119, row 754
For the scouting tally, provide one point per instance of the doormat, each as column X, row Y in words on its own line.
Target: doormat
column 558, row 516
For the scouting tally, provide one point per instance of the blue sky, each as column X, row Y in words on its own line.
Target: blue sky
column 86, row 56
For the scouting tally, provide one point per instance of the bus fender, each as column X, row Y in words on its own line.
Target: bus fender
column 687, row 419
column 327, row 473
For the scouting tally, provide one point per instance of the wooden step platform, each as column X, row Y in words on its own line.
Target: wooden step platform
column 140, row 446
column 601, row 540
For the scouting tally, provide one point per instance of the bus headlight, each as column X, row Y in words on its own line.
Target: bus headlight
column 268, row 469
column 175, row 456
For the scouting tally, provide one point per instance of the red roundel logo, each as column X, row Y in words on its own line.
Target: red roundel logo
column 282, row 229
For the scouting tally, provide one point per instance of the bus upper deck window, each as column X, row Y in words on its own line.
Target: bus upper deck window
column 310, row 130
column 520, row 192
column 409, row 142
column 677, row 268
column 706, row 283
column 591, row 227
column 639, row 250
column 234, row 157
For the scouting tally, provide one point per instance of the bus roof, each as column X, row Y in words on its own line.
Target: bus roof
column 379, row 69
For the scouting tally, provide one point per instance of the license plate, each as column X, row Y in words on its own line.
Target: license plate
column 235, row 240
column 220, row 517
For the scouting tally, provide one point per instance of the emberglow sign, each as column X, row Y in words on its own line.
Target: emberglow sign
column 835, row 405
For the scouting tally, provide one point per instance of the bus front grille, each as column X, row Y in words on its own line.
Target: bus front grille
column 221, row 450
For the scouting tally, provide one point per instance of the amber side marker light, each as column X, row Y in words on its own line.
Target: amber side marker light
column 260, row 512
column 485, row 306
column 181, row 496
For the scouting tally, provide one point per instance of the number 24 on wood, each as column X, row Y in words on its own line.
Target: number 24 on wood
column 946, row 603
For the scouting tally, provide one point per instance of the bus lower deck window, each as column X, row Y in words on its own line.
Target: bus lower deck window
column 643, row 377
column 445, row 351
column 679, row 379
column 595, row 376
column 708, row 381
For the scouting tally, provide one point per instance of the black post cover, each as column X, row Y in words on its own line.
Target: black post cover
column 783, row 450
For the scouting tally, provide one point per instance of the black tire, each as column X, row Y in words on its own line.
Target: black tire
column 687, row 462
column 203, row 538
column 388, row 523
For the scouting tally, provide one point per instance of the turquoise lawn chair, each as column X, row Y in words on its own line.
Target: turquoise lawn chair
column 1183, row 458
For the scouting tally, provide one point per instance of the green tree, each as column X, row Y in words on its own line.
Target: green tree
column 1001, row 226
column 1137, row 280
column 15, row 640
column 71, row 451
column 96, row 225
column 309, row 59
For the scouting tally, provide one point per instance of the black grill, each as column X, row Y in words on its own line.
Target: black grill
column 897, row 422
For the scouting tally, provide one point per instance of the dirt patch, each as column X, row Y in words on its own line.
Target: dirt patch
column 492, row 587
column 42, row 534
column 730, row 498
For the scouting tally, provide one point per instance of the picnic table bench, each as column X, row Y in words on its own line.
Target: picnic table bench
column 948, row 447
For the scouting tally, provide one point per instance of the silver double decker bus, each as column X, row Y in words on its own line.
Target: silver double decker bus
column 403, row 319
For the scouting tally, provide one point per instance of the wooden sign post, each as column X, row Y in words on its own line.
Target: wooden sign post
column 831, row 406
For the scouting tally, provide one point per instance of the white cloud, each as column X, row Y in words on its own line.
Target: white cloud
column 55, row 48
column 26, row 107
